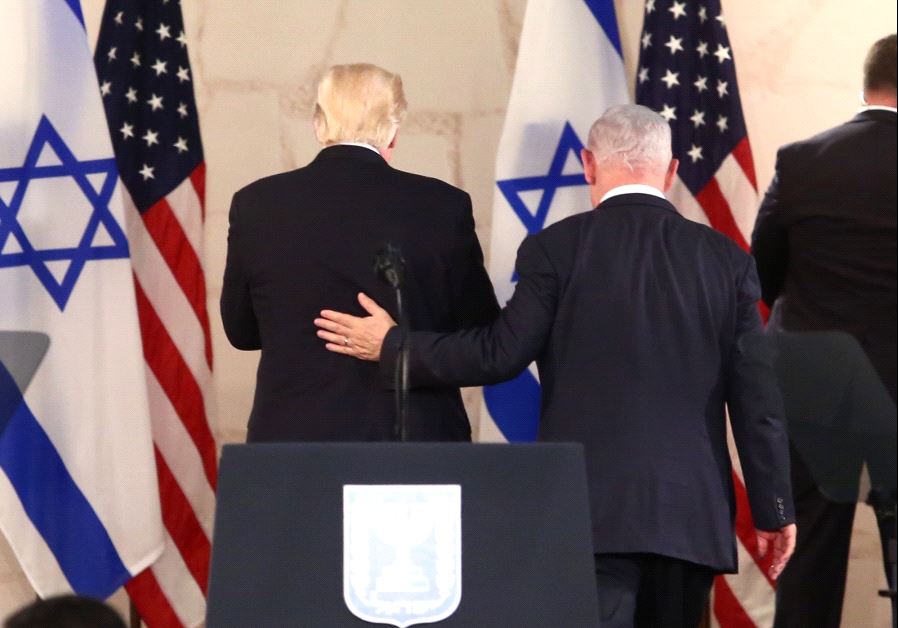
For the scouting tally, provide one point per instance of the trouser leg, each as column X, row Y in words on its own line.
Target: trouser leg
column 811, row 588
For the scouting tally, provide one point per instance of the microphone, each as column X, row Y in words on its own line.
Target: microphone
column 389, row 265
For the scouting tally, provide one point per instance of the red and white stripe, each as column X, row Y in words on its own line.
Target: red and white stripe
column 166, row 253
column 729, row 204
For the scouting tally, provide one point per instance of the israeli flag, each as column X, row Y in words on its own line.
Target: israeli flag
column 569, row 71
column 79, row 501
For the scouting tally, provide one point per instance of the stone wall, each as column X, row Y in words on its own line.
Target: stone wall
column 256, row 63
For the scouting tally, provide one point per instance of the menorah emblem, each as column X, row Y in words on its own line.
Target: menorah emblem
column 402, row 552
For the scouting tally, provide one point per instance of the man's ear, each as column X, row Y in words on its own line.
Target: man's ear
column 671, row 174
column 387, row 151
column 392, row 143
column 589, row 165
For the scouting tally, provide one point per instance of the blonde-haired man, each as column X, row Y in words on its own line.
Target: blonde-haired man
column 360, row 103
column 309, row 236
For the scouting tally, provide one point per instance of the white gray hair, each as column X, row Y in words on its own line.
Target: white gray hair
column 633, row 135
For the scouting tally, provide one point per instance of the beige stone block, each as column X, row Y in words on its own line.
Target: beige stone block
column 863, row 606
column 511, row 21
column 215, row 250
column 426, row 153
column 14, row 588
column 241, row 141
column 235, row 380
column 450, row 54
column 480, row 134
column 15, row 592
column 273, row 41
column 629, row 23
column 794, row 77
column 473, row 400
column 300, row 145
column 92, row 10
column 776, row 115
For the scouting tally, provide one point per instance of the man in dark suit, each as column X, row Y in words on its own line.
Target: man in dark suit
column 634, row 315
column 309, row 236
column 825, row 246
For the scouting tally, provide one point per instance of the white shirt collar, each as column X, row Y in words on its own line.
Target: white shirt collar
column 362, row 144
column 632, row 188
column 878, row 108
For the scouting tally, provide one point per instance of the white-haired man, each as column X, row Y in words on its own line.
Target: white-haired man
column 307, row 236
column 634, row 315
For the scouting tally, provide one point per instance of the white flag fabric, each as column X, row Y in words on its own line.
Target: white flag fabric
column 569, row 71
column 79, row 501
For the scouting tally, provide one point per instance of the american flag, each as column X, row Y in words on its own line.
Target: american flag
column 687, row 73
column 147, row 89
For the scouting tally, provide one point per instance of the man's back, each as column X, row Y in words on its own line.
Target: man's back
column 633, row 314
column 825, row 238
column 636, row 368
column 308, row 237
column 635, row 317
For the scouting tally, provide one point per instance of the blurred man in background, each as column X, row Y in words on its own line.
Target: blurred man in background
column 310, row 236
column 825, row 246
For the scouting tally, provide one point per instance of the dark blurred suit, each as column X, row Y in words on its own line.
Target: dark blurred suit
column 307, row 238
column 634, row 314
column 825, row 246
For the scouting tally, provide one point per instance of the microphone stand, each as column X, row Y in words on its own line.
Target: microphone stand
column 401, row 374
column 389, row 266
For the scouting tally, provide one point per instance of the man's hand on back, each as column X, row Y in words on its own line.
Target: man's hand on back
column 355, row 336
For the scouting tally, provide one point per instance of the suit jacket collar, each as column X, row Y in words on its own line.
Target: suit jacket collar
column 345, row 151
column 637, row 199
column 877, row 115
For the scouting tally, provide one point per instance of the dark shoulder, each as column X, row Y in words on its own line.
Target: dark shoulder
column 559, row 241
column 413, row 182
column 568, row 226
column 850, row 134
column 270, row 183
column 721, row 246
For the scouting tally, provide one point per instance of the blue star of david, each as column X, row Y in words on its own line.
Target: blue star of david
column 548, row 183
column 85, row 250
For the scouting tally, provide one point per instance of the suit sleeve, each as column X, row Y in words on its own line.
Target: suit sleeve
column 472, row 296
column 493, row 353
column 237, row 314
column 770, row 239
column 756, row 415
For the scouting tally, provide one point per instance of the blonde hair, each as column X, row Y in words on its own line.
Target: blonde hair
column 359, row 102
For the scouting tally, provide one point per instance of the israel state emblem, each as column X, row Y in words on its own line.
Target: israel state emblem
column 402, row 552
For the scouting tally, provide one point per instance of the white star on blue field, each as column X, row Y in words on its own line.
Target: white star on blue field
column 83, row 249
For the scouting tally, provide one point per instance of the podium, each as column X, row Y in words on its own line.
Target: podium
column 279, row 545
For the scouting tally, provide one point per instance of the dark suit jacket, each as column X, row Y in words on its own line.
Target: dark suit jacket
column 633, row 314
column 825, row 237
column 304, row 240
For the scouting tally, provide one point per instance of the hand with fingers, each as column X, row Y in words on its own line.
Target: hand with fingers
column 359, row 337
column 782, row 542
